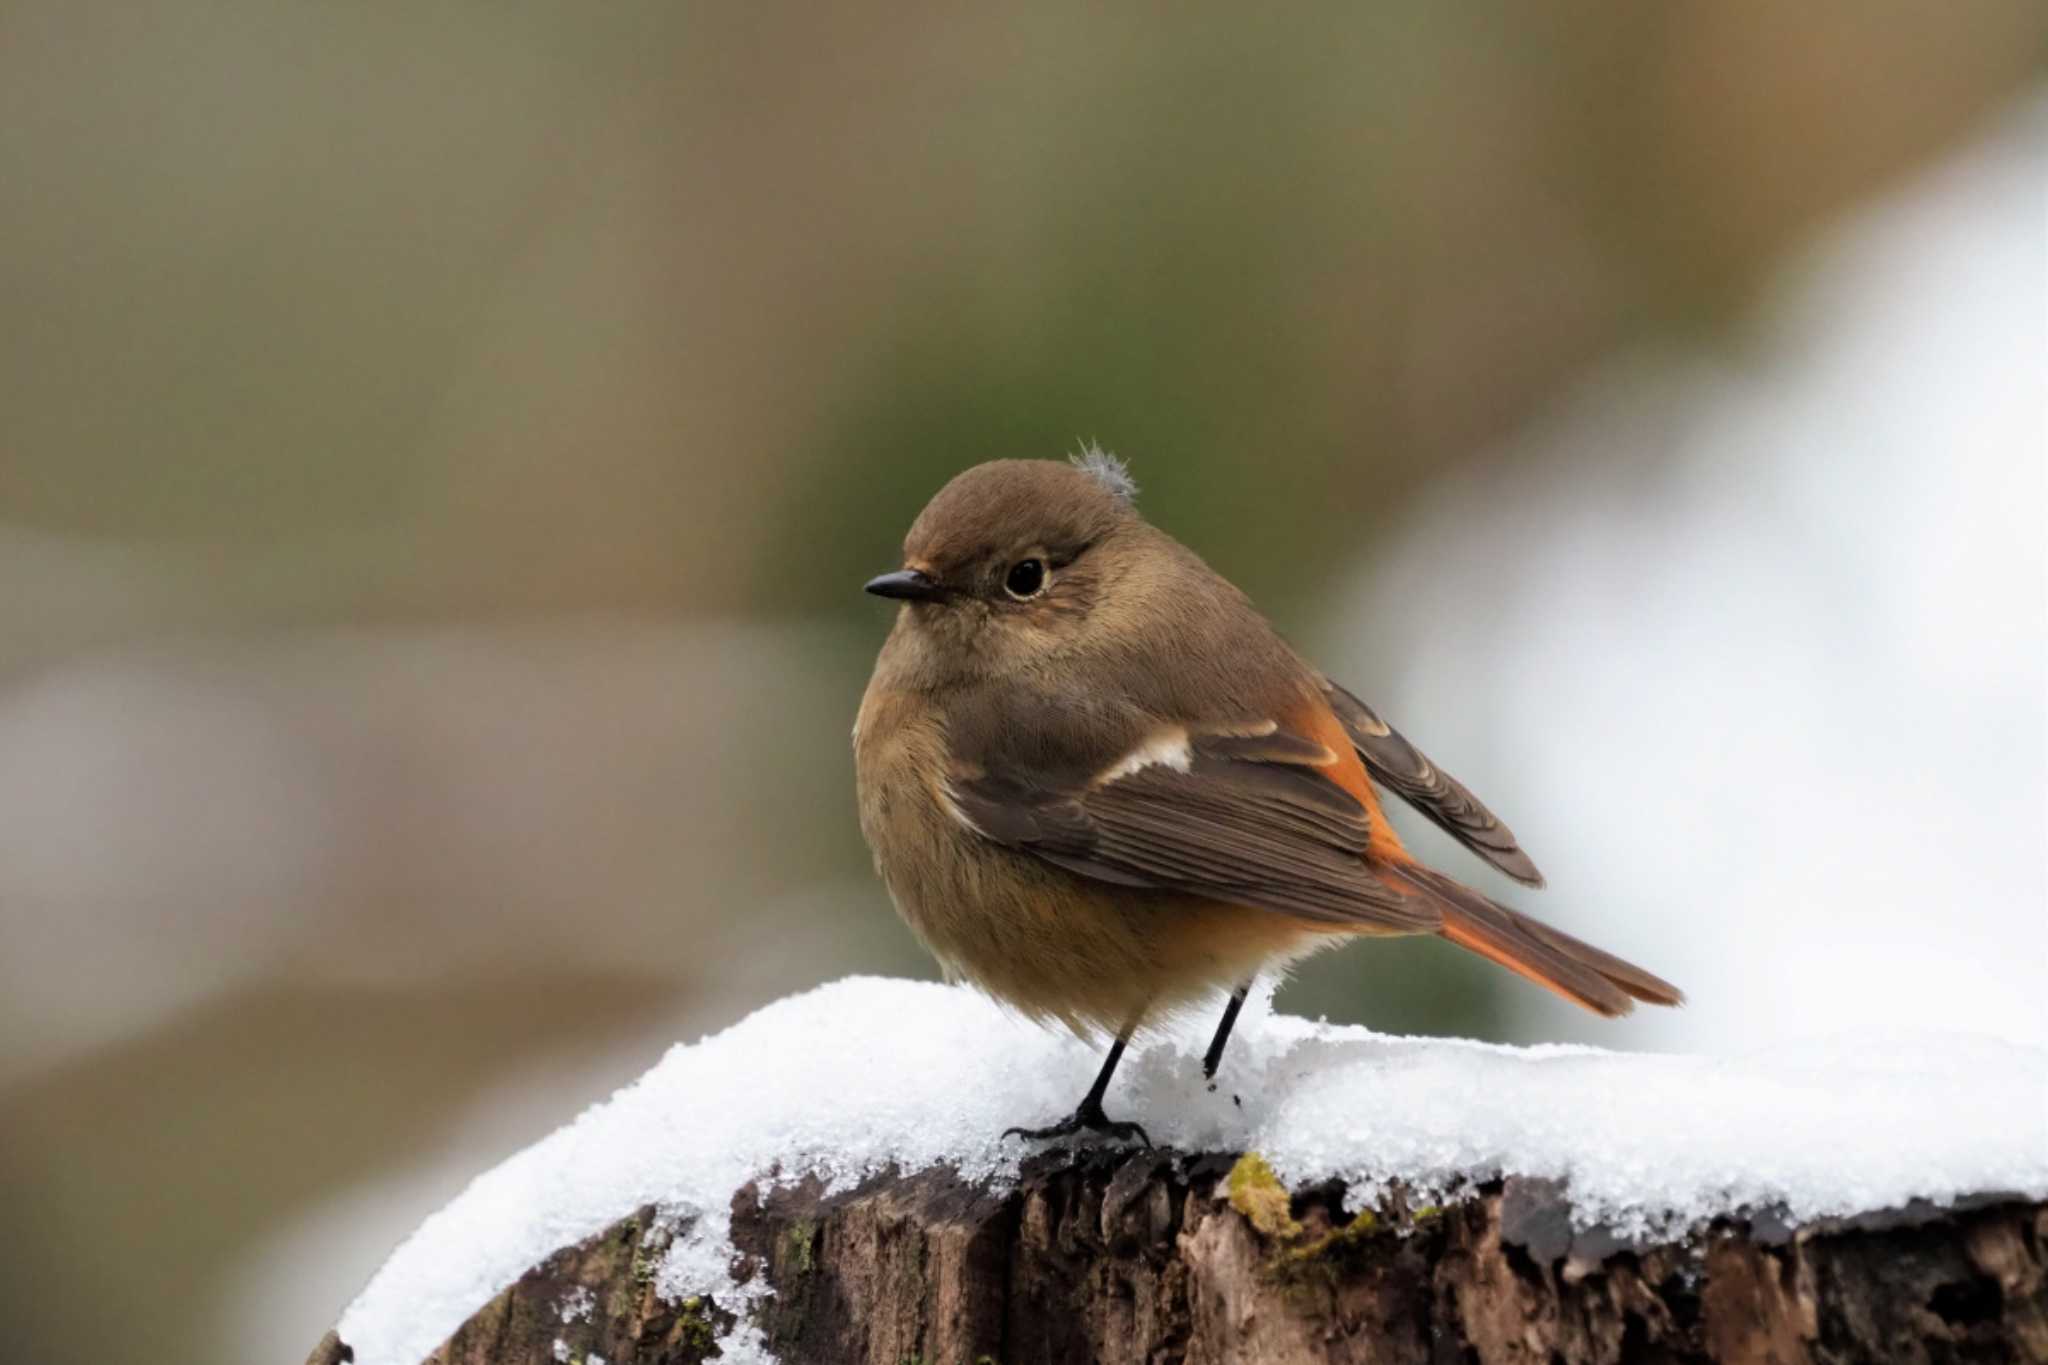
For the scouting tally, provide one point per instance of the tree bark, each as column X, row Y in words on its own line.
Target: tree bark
column 1159, row 1257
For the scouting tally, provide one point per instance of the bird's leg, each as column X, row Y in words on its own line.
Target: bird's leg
column 1213, row 1058
column 1090, row 1116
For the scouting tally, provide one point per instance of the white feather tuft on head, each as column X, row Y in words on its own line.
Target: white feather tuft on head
column 1106, row 469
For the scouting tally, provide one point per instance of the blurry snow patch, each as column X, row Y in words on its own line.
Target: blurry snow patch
column 188, row 816
column 1749, row 646
column 868, row 1073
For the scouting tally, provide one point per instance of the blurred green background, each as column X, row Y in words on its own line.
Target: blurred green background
column 440, row 448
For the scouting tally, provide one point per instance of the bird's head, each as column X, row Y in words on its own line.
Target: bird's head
column 1015, row 561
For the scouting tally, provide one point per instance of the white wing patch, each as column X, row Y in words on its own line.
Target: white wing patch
column 1168, row 748
column 949, row 803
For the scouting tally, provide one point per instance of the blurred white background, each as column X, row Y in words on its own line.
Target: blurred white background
column 1751, row 641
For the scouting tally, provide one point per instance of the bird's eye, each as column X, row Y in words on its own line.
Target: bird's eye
column 1026, row 579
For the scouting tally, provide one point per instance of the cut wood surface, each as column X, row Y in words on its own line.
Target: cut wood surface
column 1161, row 1257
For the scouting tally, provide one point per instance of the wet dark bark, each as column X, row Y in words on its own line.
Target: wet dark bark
column 1163, row 1258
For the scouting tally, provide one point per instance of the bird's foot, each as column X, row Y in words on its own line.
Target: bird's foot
column 1088, row 1118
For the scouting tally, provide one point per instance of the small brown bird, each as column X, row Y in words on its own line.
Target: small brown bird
column 1101, row 788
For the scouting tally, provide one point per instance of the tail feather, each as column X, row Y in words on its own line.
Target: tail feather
column 1551, row 958
column 1645, row 986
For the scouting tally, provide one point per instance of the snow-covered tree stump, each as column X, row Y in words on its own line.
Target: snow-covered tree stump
column 1159, row 1257
column 826, row 1182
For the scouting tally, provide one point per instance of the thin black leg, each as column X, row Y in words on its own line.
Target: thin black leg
column 1090, row 1116
column 1093, row 1099
column 1213, row 1058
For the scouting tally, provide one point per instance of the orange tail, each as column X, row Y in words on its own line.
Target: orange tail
column 1555, row 960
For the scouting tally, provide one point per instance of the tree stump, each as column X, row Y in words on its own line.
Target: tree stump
column 1164, row 1257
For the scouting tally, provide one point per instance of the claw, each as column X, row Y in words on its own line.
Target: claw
column 1089, row 1118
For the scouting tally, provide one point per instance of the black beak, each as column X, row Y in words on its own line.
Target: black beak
column 911, row 585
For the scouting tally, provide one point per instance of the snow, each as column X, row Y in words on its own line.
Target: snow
column 867, row 1073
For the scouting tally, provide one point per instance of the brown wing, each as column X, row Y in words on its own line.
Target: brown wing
column 1244, row 817
column 1402, row 769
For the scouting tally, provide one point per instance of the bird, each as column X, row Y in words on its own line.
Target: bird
column 1100, row 787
